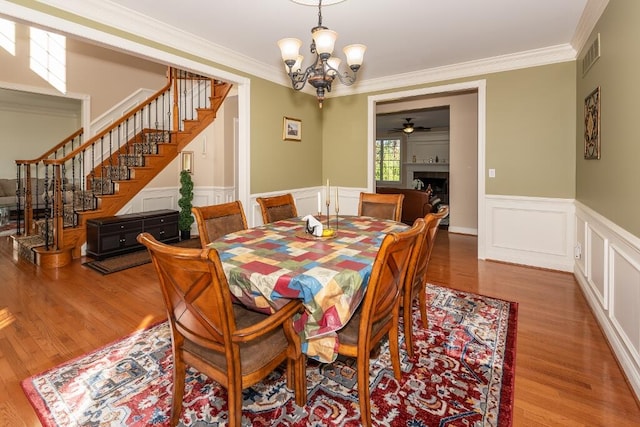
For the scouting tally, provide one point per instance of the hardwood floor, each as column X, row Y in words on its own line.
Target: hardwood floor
column 566, row 374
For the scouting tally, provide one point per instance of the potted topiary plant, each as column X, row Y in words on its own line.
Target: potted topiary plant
column 185, row 218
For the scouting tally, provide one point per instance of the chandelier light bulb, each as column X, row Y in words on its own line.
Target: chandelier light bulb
column 290, row 49
column 334, row 62
column 298, row 64
column 325, row 41
column 355, row 54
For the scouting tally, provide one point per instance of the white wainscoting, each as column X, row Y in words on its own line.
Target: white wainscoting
column 532, row 231
column 150, row 199
column 307, row 202
column 608, row 271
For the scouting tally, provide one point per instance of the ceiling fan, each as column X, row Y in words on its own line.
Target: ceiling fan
column 408, row 127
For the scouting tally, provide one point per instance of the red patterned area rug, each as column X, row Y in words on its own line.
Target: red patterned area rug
column 461, row 375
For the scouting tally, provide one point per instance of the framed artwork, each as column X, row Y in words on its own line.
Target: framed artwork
column 292, row 129
column 186, row 160
column 592, row 125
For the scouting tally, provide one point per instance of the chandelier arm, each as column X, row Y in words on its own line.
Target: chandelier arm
column 299, row 79
column 346, row 79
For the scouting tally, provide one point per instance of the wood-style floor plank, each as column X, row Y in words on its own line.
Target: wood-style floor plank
column 566, row 374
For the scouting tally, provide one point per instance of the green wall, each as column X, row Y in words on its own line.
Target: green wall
column 344, row 141
column 277, row 164
column 530, row 132
column 610, row 185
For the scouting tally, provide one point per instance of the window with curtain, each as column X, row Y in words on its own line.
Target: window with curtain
column 388, row 160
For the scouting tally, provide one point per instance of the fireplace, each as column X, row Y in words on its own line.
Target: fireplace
column 439, row 182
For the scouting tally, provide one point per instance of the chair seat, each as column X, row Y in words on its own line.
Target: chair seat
column 350, row 333
column 252, row 354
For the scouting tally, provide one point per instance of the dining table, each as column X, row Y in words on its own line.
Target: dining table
column 271, row 264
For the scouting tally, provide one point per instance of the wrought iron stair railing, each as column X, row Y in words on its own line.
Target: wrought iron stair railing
column 83, row 178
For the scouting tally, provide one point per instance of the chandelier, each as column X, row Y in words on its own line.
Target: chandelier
column 321, row 73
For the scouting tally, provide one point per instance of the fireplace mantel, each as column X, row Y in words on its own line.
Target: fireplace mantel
column 410, row 168
column 419, row 167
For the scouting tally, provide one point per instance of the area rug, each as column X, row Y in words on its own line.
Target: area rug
column 133, row 259
column 461, row 375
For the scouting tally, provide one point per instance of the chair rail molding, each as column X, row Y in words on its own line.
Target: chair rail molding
column 532, row 231
column 607, row 269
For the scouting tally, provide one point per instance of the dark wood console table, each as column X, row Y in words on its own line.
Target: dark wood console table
column 116, row 235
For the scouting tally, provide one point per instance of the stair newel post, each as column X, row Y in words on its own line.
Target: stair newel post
column 26, row 192
column 19, row 186
column 58, row 214
column 176, row 99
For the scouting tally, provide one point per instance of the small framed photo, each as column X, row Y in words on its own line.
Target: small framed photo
column 186, row 161
column 292, row 129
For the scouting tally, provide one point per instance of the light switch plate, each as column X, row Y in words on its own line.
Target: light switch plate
column 492, row 173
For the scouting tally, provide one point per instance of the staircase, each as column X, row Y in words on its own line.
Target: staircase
column 98, row 177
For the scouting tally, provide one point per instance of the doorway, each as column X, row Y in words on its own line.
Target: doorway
column 471, row 194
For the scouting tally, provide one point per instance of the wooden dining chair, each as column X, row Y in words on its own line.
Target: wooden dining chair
column 215, row 221
column 385, row 206
column 232, row 345
column 416, row 278
column 378, row 314
column 276, row 208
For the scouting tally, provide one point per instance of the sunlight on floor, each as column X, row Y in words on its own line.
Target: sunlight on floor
column 6, row 318
column 146, row 322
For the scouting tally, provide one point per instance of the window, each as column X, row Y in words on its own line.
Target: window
column 48, row 57
column 8, row 36
column 388, row 160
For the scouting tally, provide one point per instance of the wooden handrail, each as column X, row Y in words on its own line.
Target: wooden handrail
column 106, row 131
column 52, row 150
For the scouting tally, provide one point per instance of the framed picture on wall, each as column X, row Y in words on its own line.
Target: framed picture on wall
column 592, row 125
column 292, row 129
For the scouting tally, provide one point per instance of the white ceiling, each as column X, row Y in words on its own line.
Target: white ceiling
column 402, row 36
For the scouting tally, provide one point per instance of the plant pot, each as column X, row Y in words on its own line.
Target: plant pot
column 185, row 234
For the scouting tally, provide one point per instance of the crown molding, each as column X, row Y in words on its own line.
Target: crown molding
column 125, row 20
column 590, row 16
column 132, row 22
column 496, row 64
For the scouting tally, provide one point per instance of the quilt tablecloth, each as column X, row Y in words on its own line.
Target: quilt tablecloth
column 268, row 265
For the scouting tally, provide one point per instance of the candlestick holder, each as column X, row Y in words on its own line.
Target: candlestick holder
column 328, row 215
column 337, row 211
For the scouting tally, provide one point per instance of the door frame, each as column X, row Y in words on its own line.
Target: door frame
column 480, row 87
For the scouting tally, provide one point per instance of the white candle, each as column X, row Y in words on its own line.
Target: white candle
column 319, row 203
column 328, row 197
column 337, row 203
